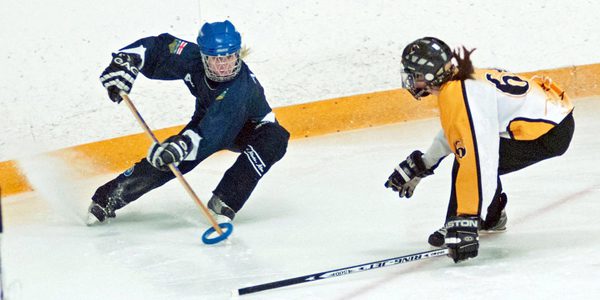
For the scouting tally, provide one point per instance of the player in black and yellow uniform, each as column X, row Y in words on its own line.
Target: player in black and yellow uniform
column 493, row 121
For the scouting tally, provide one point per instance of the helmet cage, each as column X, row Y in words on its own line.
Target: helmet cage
column 221, row 68
column 410, row 81
column 419, row 84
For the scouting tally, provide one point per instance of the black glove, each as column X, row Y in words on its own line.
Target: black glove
column 120, row 74
column 407, row 175
column 172, row 151
column 462, row 238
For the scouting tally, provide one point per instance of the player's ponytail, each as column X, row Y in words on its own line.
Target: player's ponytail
column 464, row 64
column 245, row 52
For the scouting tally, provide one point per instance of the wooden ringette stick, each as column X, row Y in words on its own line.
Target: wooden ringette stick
column 173, row 168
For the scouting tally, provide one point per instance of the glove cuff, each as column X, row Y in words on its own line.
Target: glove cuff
column 131, row 61
column 468, row 223
column 462, row 238
column 416, row 163
column 194, row 139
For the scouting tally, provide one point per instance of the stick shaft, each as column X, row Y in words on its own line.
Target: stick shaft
column 344, row 271
column 172, row 167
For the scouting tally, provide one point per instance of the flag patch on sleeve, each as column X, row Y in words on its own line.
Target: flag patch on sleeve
column 176, row 47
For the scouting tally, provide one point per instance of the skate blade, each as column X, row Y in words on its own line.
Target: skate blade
column 217, row 217
column 218, row 220
column 91, row 220
column 493, row 231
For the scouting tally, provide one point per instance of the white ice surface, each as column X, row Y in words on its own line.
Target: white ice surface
column 322, row 207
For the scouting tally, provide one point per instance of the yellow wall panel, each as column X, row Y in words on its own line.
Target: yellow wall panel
column 302, row 120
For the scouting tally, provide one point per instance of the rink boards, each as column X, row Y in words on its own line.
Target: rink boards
column 302, row 120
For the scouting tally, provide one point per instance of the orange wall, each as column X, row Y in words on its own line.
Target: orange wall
column 302, row 120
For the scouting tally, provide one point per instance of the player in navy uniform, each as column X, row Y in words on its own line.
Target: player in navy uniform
column 231, row 113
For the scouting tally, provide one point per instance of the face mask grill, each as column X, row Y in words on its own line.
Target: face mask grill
column 223, row 67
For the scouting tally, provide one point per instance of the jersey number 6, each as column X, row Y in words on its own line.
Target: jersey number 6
column 509, row 84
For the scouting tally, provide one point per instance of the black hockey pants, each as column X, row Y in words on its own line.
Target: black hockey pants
column 516, row 155
column 261, row 146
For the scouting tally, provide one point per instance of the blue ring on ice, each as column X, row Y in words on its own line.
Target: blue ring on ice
column 227, row 230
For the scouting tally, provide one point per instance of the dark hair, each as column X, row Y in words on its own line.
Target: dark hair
column 464, row 63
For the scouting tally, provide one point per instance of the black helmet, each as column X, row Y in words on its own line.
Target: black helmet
column 426, row 60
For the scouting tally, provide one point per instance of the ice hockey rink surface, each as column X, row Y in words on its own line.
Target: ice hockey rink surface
column 321, row 208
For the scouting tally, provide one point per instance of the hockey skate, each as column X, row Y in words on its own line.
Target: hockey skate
column 100, row 212
column 437, row 238
column 219, row 210
column 496, row 219
column 497, row 224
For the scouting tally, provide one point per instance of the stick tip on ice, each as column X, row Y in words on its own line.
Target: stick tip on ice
column 235, row 293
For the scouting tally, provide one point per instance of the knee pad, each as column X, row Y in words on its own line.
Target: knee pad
column 269, row 142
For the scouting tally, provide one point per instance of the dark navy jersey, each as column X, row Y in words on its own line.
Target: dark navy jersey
column 222, row 109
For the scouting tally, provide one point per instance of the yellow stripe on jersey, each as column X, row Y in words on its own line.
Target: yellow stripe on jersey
column 528, row 130
column 457, row 125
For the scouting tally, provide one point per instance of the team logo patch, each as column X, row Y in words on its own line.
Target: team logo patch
column 222, row 95
column 176, row 47
column 459, row 149
column 255, row 160
column 128, row 172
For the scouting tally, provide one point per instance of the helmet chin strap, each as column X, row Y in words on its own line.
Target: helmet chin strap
column 418, row 93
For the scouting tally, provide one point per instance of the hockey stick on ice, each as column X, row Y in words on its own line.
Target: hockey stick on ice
column 173, row 168
column 343, row 271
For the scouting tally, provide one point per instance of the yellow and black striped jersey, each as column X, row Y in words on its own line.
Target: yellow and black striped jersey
column 476, row 113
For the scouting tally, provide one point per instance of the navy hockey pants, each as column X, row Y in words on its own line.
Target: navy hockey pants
column 261, row 146
column 516, row 155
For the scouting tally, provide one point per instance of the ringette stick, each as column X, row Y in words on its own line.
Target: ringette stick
column 173, row 168
column 343, row 271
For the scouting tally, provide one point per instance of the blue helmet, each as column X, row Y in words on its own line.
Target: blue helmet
column 220, row 46
column 219, row 38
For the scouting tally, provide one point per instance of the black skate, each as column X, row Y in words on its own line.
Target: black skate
column 437, row 239
column 99, row 213
column 498, row 225
column 496, row 219
column 219, row 210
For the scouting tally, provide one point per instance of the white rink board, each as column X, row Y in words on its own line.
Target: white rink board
column 302, row 51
